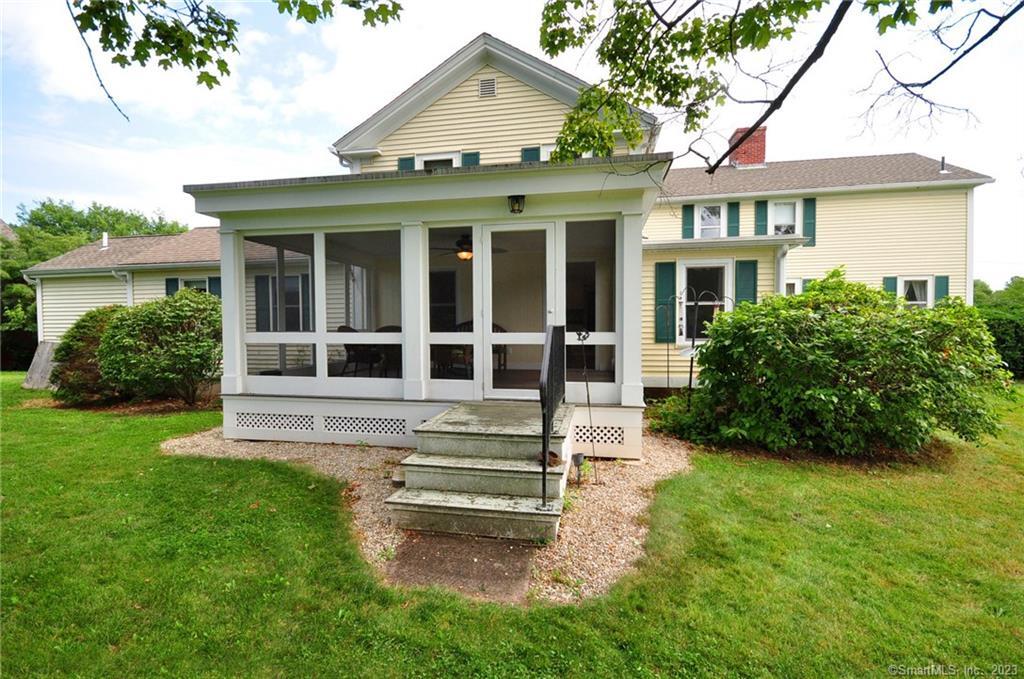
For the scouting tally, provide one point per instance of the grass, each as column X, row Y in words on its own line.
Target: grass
column 119, row 561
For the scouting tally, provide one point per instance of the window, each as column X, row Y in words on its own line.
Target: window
column 794, row 287
column 431, row 161
column 706, row 290
column 407, row 164
column 710, row 219
column 297, row 308
column 195, row 284
column 529, row 154
column 784, row 218
column 917, row 292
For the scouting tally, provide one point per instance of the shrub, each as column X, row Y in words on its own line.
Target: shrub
column 842, row 369
column 1007, row 328
column 170, row 346
column 76, row 374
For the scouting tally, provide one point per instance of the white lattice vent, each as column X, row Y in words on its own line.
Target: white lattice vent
column 279, row 421
column 381, row 426
column 615, row 436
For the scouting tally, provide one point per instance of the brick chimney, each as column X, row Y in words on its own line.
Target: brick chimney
column 751, row 151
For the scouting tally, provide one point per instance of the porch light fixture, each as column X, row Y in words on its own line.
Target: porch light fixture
column 516, row 204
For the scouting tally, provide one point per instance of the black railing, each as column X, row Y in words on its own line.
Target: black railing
column 552, row 393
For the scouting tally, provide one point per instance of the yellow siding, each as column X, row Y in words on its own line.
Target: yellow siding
column 889, row 234
column 498, row 127
column 150, row 285
column 654, row 354
column 884, row 233
column 666, row 220
column 66, row 299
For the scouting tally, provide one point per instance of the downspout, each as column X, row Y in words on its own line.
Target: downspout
column 38, row 285
column 780, row 268
column 126, row 278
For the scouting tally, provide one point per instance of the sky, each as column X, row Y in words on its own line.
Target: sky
column 296, row 88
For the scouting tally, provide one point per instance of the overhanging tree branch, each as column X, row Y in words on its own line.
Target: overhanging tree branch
column 92, row 61
column 776, row 104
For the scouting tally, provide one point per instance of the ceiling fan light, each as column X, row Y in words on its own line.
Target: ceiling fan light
column 464, row 255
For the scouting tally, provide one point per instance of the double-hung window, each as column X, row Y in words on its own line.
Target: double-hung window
column 710, row 219
column 297, row 305
column 784, row 217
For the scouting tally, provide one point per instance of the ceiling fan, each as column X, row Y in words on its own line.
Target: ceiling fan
column 463, row 249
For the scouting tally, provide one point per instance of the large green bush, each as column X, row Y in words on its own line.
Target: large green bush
column 842, row 369
column 1007, row 328
column 76, row 373
column 170, row 346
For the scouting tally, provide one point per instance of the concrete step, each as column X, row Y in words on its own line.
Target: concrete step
column 490, row 475
column 499, row 516
column 491, row 429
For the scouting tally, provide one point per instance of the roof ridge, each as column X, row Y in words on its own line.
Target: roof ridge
column 818, row 160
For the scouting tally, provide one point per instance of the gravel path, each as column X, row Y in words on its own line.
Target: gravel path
column 603, row 531
column 601, row 535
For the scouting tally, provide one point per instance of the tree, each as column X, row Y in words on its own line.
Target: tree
column 691, row 57
column 685, row 58
column 982, row 292
column 189, row 33
column 49, row 229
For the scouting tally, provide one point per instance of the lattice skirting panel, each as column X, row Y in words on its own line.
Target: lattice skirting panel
column 617, row 432
column 269, row 418
column 612, row 435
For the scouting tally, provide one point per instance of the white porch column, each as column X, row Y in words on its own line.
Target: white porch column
column 414, row 316
column 780, row 269
column 232, row 290
column 631, row 329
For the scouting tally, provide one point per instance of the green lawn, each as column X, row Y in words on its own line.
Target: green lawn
column 118, row 561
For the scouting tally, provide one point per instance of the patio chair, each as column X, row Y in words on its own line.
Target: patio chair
column 359, row 354
column 500, row 350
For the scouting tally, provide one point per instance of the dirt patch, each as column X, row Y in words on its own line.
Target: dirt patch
column 366, row 469
column 155, row 407
column 602, row 532
column 481, row 568
column 604, row 527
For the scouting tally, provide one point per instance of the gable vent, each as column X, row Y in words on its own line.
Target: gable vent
column 488, row 87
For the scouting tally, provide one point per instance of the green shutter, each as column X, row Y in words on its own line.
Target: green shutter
column 530, row 154
column 407, row 164
column 170, row 286
column 761, row 218
column 664, row 304
column 263, row 304
column 746, row 280
column 213, row 286
column 941, row 287
column 470, row 158
column 733, row 210
column 810, row 221
column 687, row 221
column 889, row 284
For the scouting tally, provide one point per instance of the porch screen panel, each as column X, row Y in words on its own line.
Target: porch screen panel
column 518, row 304
column 363, row 281
column 589, row 277
column 279, row 283
column 450, row 297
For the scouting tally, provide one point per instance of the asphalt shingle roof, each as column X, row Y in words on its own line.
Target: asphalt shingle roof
column 823, row 173
column 200, row 245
